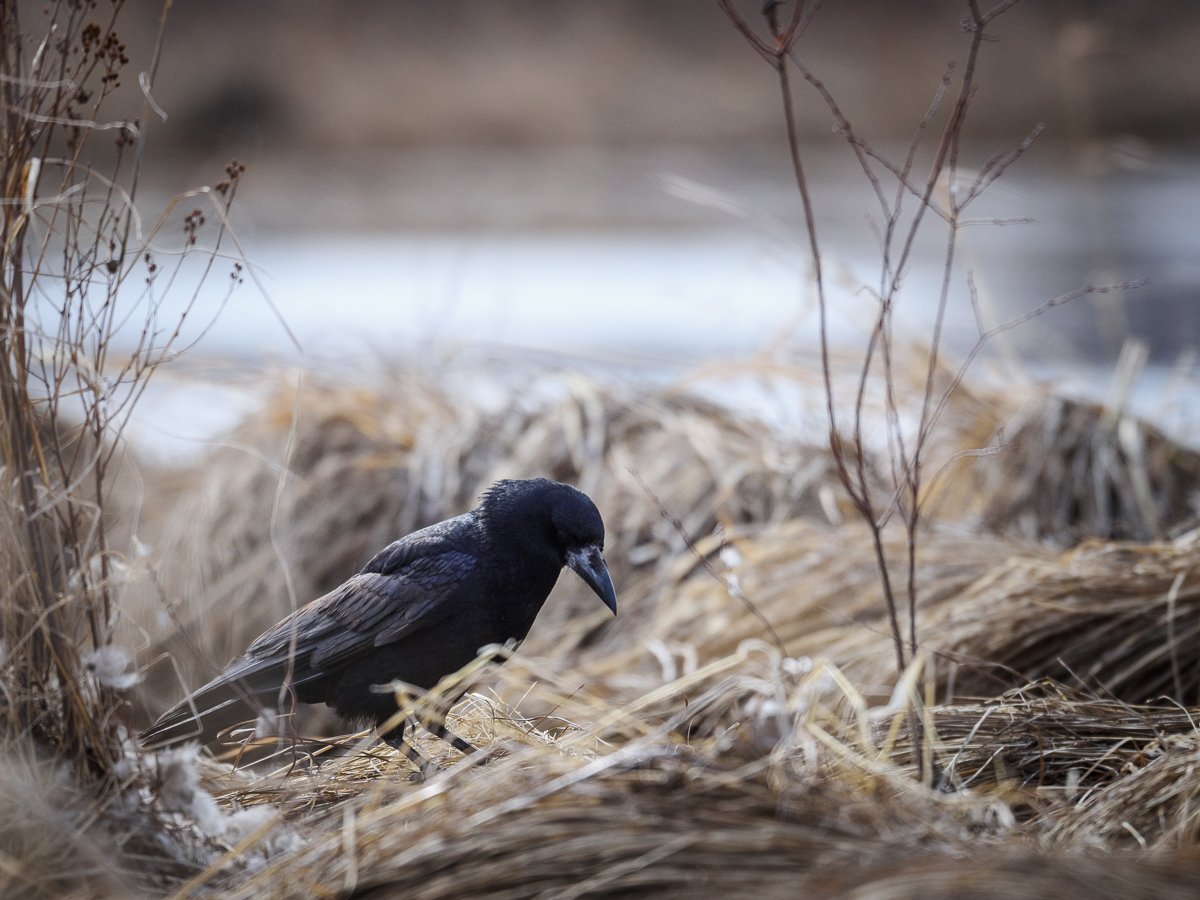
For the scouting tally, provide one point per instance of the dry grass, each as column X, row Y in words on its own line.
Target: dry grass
column 1076, row 469
column 675, row 749
column 1118, row 619
column 752, row 774
column 724, row 793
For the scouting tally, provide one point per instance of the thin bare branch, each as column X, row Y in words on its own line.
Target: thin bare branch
column 704, row 563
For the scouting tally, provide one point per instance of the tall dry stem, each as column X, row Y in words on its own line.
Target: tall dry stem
column 908, row 203
column 83, row 326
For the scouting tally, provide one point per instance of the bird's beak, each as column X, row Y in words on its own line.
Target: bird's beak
column 588, row 564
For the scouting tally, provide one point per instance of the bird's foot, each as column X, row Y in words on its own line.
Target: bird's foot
column 397, row 740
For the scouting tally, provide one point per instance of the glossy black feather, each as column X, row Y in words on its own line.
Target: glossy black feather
column 421, row 609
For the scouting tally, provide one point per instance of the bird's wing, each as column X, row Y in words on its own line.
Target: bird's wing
column 416, row 589
column 369, row 610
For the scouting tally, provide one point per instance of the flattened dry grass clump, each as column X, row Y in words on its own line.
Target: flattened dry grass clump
column 1044, row 737
column 648, row 822
column 1073, row 470
column 753, row 774
column 1155, row 804
column 679, row 748
column 1118, row 619
column 814, row 584
column 649, row 797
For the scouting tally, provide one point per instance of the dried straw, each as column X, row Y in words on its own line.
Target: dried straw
column 1045, row 738
column 1155, row 805
column 675, row 749
column 1073, row 470
column 1118, row 619
column 638, row 803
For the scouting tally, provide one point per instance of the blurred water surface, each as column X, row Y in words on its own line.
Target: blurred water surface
column 708, row 266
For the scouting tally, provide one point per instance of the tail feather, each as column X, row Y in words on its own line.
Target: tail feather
column 234, row 698
column 203, row 717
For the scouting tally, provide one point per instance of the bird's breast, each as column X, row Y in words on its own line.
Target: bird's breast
column 513, row 603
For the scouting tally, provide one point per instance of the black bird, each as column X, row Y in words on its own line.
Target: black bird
column 421, row 609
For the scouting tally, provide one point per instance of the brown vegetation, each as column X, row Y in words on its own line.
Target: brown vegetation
column 755, row 722
column 675, row 748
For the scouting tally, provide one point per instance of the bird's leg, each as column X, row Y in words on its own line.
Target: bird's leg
column 439, row 729
column 397, row 741
column 476, row 756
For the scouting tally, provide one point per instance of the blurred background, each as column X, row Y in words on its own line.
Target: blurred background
column 610, row 182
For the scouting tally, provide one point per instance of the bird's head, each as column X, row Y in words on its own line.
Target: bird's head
column 571, row 523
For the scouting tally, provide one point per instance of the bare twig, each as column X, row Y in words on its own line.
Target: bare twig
column 708, row 566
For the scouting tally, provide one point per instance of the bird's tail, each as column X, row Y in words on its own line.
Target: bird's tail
column 213, row 712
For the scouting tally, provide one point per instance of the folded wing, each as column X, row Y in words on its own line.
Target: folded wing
column 410, row 586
